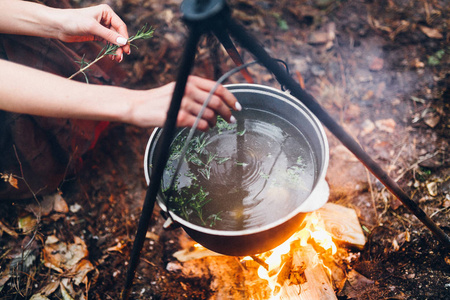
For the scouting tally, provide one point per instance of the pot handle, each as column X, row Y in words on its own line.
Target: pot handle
column 318, row 197
column 169, row 222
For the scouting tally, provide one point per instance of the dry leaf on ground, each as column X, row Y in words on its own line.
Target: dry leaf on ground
column 431, row 32
column 10, row 179
column 61, row 256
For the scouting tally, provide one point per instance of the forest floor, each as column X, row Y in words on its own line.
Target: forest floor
column 381, row 68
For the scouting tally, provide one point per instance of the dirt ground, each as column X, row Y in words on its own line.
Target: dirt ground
column 381, row 68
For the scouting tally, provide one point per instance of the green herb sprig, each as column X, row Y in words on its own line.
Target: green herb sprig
column 192, row 199
column 110, row 49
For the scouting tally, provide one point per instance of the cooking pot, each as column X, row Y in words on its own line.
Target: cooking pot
column 262, row 238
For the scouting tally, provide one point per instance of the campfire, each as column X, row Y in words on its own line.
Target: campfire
column 279, row 268
column 303, row 266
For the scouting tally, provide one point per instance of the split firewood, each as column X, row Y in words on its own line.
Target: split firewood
column 343, row 224
column 309, row 279
column 194, row 253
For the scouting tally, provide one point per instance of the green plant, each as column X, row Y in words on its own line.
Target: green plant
column 435, row 59
column 214, row 218
column 110, row 49
column 282, row 24
column 222, row 125
column 192, row 199
column 197, row 202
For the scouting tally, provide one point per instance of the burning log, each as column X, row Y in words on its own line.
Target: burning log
column 294, row 270
column 308, row 277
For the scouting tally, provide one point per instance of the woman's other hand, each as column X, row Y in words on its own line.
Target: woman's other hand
column 151, row 109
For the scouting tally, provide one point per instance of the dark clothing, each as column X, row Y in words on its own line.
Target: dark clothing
column 42, row 150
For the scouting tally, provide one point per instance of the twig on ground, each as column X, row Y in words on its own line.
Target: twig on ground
column 438, row 211
column 416, row 164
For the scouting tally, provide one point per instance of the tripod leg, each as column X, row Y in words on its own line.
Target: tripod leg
column 251, row 45
column 162, row 155
column 225, row 40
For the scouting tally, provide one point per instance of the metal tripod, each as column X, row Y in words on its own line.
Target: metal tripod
column 214, row 16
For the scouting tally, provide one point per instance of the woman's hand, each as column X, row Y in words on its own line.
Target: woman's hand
column 151, row 110
column 69, row 25
column 30, row 91
column 95, row 23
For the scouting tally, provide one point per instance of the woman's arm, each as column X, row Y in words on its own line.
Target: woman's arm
column 68, row 25
column 30, row 91
column 28, row 18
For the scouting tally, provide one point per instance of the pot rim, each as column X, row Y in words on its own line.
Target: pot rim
column 302, row 208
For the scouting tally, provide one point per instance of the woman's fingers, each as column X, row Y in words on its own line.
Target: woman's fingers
column 186, row 119
column 112, row 29
column 198, row 97
column 194, row 108
column 198, row 89
column 224, row 94
column 117, row 25
column 118, row 56
column 196, row 93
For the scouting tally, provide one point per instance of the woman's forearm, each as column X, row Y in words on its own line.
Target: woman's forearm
column 30, row 91
column 28, row 18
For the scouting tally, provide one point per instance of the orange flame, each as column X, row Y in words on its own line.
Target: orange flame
column 198, row 246
column 314, row 229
